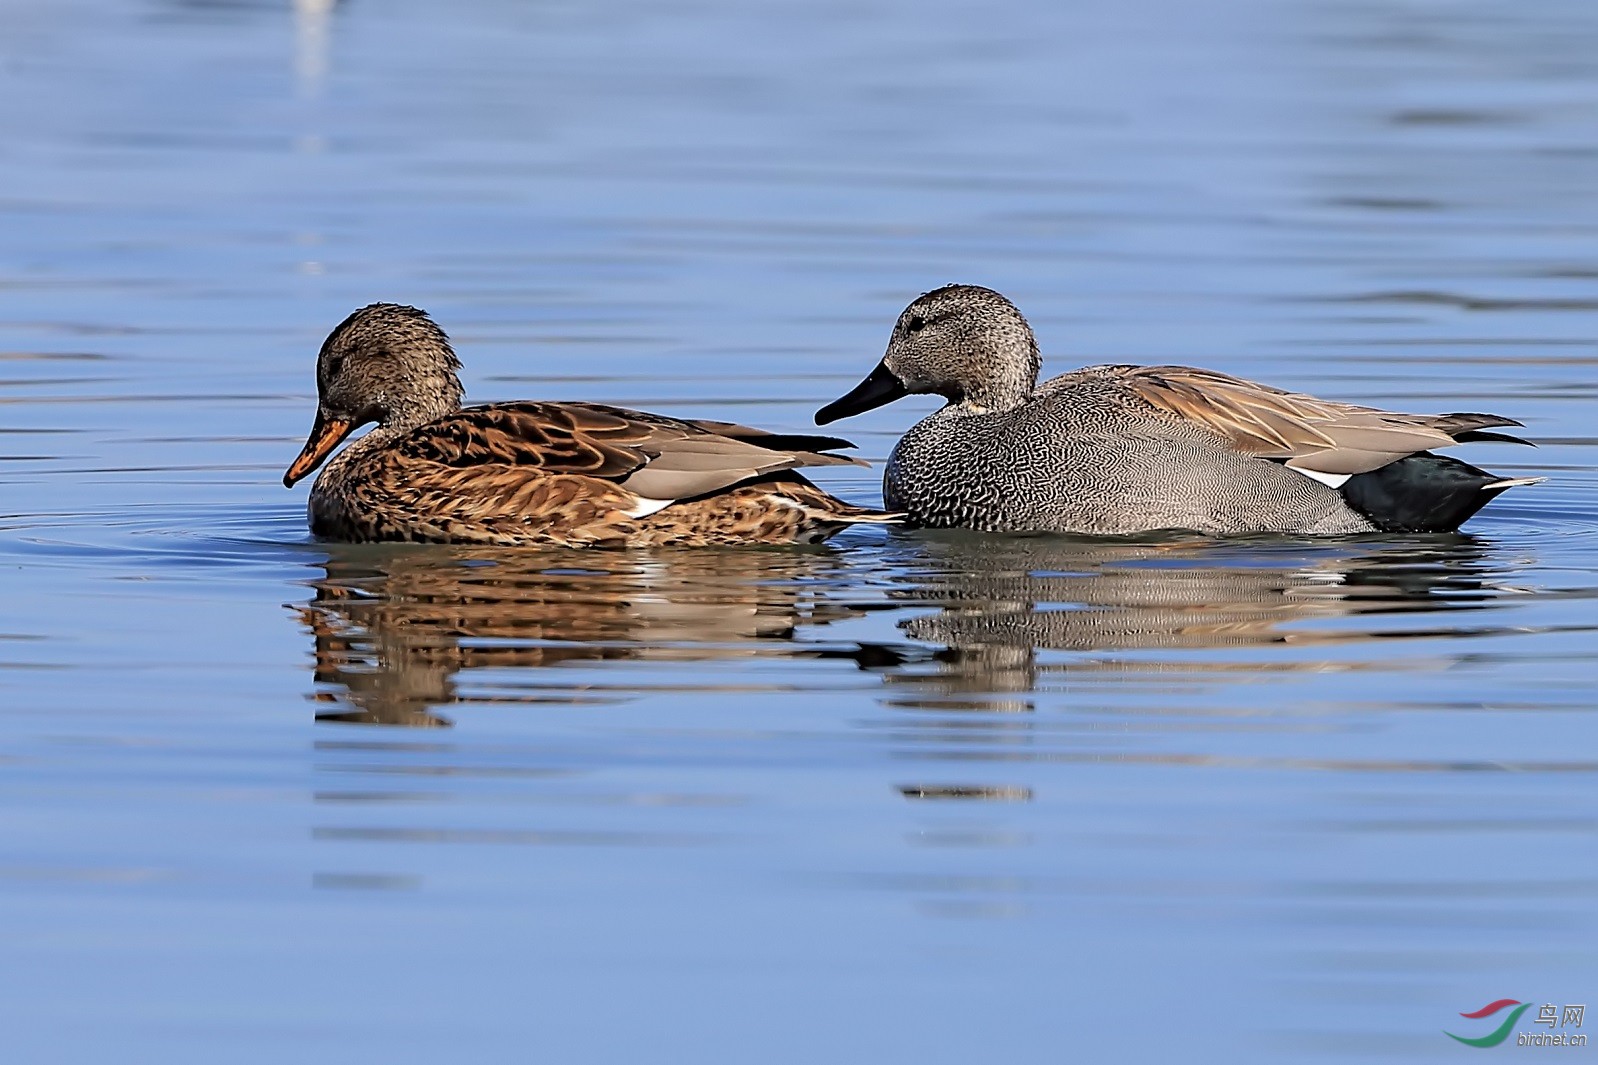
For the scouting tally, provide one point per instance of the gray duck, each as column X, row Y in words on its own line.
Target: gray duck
column 561, row 474
column 1118, row 450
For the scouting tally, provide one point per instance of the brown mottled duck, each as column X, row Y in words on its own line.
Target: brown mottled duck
column 562, row 474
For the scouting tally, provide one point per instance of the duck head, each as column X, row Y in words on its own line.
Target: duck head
column 963, row 342
column 386, row 363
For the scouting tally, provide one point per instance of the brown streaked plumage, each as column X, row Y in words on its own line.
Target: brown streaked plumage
column 563, row 474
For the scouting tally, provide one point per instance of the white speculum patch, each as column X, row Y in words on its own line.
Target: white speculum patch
column 647, row 506
column 1331, row 480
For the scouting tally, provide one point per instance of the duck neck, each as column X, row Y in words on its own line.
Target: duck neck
column 416, row 406
column 380, row 436
column 1008, row 381
column 406, row 412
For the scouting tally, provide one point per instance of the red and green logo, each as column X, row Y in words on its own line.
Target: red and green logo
column 1499, row 1034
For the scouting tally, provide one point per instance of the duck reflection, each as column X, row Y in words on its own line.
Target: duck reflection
column 394, row 627
column 1001, row 601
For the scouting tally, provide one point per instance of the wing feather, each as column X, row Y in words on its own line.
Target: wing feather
column 648, row 455
column 1304, row 431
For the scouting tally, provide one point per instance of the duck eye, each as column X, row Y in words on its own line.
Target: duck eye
column 916, row 323
column 327, row 373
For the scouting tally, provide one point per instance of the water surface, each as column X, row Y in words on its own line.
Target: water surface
column 901, row 797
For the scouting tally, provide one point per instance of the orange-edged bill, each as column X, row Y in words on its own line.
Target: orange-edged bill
column 326, row 435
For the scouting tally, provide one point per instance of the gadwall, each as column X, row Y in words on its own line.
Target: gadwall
column 1115, row 450
column 565, row 474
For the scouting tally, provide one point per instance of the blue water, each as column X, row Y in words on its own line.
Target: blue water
column 902, row 798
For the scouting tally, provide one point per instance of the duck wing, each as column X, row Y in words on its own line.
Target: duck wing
column 650, row 455
column 809, row 446
column 1301, row 430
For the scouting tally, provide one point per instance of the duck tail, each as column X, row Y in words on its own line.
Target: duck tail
column 1425, row 493
column 854, row 515
column 825, row 509
column 829, row 508
column 807, row 449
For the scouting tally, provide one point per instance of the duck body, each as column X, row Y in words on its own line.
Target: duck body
column 1081, row 458
column 1122, row 450
column 539, row 473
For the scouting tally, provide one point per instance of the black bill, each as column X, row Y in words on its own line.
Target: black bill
column 880, row 386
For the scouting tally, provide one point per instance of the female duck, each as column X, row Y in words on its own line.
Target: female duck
column 565, row 474
column 1110, row 450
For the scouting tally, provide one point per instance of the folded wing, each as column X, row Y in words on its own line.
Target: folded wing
column 1305, row 432
column 649, row 455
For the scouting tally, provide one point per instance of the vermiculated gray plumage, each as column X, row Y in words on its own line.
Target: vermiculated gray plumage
column 1080, row 459
column 1115, row 450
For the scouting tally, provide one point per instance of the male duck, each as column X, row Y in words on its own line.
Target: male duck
column 564, row 474
column 1109, row 450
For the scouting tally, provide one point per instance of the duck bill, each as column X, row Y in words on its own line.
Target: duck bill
column 880, row 387
column 326, row 435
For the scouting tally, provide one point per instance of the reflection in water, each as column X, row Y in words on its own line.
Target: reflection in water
column 1001, row 601
column 394, row 627
column 311, row 33
column 966, row 792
